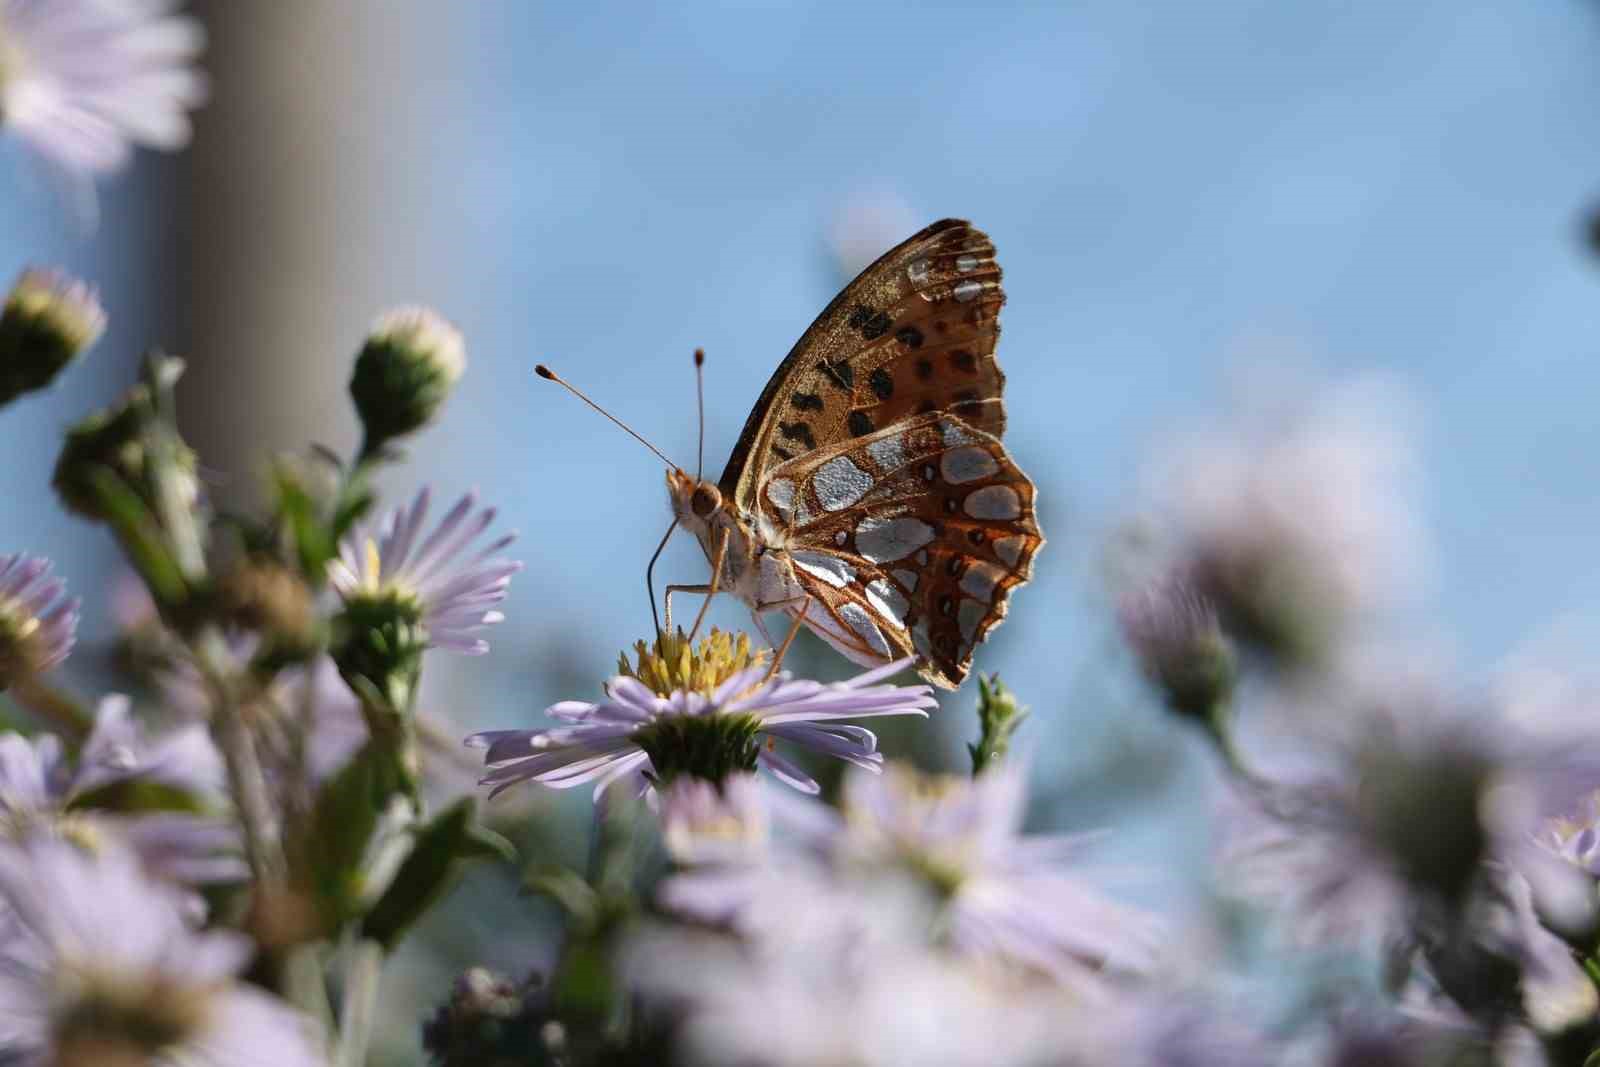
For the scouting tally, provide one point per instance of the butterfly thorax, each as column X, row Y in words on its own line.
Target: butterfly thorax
column 755, row 564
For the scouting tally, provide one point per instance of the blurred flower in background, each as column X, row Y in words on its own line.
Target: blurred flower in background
column 101, row 968
column 38, row 624
column 1298, row 522
column 49, row 318
column 84, row 81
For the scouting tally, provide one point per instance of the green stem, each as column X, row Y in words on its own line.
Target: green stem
column 246, row 781
column 363, row 969
column 54, row 707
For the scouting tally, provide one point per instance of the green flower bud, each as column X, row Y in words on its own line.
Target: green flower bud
column 1181, row 647
column 378, row 642
column 114, row 440
column 407, row 367
column 48, row 319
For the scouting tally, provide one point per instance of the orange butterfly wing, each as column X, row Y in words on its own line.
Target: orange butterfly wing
column 874, row 459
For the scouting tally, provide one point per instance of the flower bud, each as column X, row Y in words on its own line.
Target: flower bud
column 489, row 1021
column 406, row 368
column 48, row 319
column 111, row 440
column 1181, row 648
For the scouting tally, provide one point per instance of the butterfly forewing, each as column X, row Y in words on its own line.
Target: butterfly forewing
column 908, row 539
column 873, row 458
column 914, row 333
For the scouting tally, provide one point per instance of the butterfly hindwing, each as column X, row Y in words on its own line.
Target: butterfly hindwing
column 908, row 539
column 914, row 333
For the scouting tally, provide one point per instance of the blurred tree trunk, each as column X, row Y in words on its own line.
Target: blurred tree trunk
column 309, row 170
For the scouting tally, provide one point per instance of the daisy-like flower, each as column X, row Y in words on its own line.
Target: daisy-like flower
column 847, row 980
column 1000, row 894
column 391, row 572
column 1356, row 852
column 83, row 81
column 41, row 793
column 714, row 822
column 1296, row 522
column 1007, row 895
column 707, row 711
column 1180, row 645
column 49, row 317
column 37, row 625
column 103, row 968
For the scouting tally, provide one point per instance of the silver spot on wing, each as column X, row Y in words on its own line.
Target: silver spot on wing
column 840, row 483
column 967, row 464
column 881, row 540
column 993, row 502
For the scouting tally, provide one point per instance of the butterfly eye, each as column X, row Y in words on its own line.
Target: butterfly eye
column 706, row 499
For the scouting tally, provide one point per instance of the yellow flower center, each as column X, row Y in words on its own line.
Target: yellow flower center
column 946, row 865
column 106, row 1018
column 672, row 663
column 20, row 650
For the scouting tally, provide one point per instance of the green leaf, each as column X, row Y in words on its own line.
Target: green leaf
column 430, row 870
column 343, row 820
column 314, row 543
column 135, row 796
column 141, row 536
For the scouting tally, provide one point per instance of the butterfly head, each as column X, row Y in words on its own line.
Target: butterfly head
column 694, row 500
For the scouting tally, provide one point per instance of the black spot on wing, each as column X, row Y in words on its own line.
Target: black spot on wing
column 798, row 431
column 872, row 324
column 840, row 374
column 882, row 383
column 806, row 401
column 860, row 423
column 910, row 336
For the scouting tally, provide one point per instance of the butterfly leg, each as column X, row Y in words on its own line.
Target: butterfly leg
column 709, row 590
column 794, row 632
column 804, row 602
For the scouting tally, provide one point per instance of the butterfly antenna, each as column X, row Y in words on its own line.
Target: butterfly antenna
column 551, row 376
column 700, row 403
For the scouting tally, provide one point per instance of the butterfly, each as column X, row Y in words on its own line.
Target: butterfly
column 869, row 496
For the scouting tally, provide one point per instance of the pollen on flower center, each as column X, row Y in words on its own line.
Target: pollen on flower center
column 672, row 663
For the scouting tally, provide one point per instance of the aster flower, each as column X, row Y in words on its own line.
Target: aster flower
column 708, row 711
column 37, row 626
column 40, row 790
column 1386, row 829
column 82, row 81
column 1007, row 895
column 847, row 981
column 391, row 572
column 1178, row 639
column 48, row 319
column 988, row 892
column 714, row 822
column 104, row 968
column 1297, row 521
